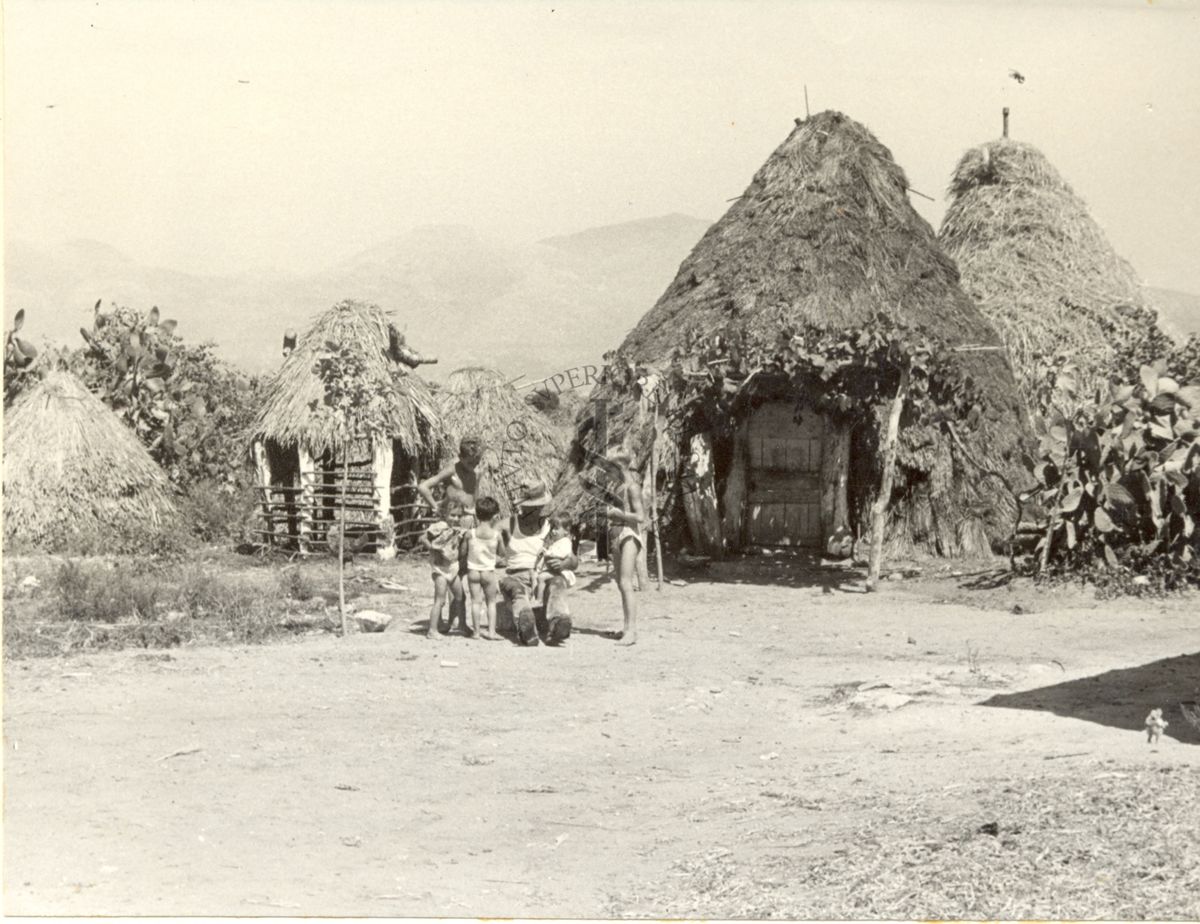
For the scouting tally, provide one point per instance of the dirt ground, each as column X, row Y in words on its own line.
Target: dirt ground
column 768, row 707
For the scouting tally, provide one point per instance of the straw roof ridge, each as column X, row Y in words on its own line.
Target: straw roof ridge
column 518, row 440
column 291, row 410
column 1038, row 265
column 823, row 237
column 72, row 467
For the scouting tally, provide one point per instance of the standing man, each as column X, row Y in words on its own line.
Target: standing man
column 529, row 527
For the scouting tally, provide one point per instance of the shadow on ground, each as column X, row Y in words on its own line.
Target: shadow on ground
column 782, row 568
column 1121, row 698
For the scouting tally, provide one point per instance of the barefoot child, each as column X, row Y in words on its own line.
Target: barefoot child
column 626, row 517
column 558, row 545
column 442, row 540
column 483, row 545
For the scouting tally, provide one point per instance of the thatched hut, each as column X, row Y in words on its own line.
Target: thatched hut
column 75, row 477
column 518, row 440
column 823, row 240
column 1041, row 269
column 299, row 450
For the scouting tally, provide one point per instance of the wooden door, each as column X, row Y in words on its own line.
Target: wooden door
column 784, row 495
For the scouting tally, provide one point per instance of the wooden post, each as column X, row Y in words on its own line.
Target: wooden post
column 1005, row 121
column 262, row 475
column 879, row 511
column 733, row 502
column 381, row 464
column 700, row 498
column 600, row 435
column 307, row 475
column 643, row 568
column 654, row 501
column 342, row 539
column 835, row 464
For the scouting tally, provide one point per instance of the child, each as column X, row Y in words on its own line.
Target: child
column 559, row 544
column 461, row 479
column 482, row 547
column 442, row 540
column 626, row 518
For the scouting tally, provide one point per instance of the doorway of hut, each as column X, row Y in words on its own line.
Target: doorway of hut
column 783, row 478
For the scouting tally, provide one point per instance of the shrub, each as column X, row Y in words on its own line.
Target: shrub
column 1122, row 476
column 297, row 585
column 98, row 594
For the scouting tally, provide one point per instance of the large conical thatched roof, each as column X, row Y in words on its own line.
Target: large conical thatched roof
column 825, row 237
column 74, row 472
column 519, row 441
column 1038, row 265
column 292, row 415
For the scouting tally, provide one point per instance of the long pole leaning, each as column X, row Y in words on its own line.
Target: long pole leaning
column 880, row 509
column 342, row 541
column 654, row 501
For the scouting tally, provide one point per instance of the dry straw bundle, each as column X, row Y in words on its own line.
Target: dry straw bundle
column 1039, row 266
column 292, row 412
column 518, row 441
column 73, row 473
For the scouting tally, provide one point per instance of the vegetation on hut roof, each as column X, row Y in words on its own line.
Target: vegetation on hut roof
column 519, row 441
column 73, row 471
column 292, row 412
column 1039, row 266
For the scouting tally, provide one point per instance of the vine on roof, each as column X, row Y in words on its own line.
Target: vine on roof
column 848, row 373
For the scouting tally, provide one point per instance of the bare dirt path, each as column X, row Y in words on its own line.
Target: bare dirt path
column 366, row 777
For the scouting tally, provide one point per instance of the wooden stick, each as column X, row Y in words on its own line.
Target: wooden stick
column 342, row 552
column 654, row 500
column 879, row 511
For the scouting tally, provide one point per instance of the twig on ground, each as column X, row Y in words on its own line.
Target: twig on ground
column 180, row 753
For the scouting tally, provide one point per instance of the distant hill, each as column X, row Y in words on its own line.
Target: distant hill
column 1178, row 312
column 526, row 308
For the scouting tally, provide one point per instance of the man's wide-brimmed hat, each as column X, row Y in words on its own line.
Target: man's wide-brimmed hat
column 533, row 493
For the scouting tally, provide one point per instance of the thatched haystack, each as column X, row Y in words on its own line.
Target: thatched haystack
column 74, row 475
column 518, row 440
column 1041, row 269
column 299, row 451
column 823, row 239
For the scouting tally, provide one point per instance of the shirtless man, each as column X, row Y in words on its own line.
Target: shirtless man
column 460, row 478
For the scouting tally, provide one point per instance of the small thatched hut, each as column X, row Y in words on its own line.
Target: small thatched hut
column 824, row 239
column 75, row 477
column 299, row 452
column 1041, row 269
column 518, row 440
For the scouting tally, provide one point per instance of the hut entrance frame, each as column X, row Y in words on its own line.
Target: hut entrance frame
column 783, row 476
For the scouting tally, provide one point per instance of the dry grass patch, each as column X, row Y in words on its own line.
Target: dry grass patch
column 1111, row 844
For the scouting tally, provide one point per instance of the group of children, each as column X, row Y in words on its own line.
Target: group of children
column 468, row 547
column 467, row 550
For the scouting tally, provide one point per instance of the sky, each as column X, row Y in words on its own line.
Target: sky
column 221, row 138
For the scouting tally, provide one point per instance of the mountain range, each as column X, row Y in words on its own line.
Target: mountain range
column 526, row 309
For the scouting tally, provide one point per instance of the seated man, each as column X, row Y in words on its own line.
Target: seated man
column 529, row 528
